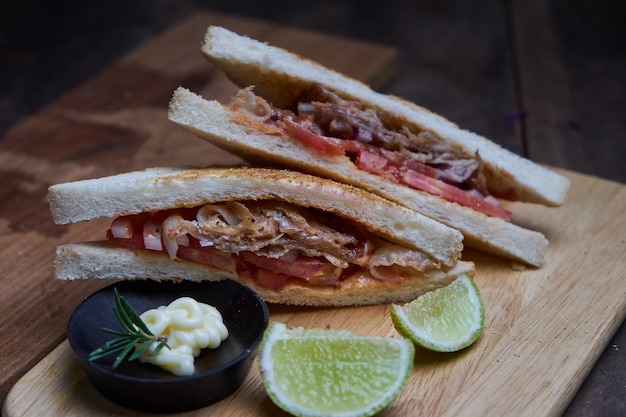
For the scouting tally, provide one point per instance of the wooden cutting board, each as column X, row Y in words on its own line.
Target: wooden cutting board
column 544, row 327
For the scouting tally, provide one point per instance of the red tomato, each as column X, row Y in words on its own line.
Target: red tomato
column 422, row 177
column 269, row 279
column 303, row 267
column 207, row 256
column 441, row 189
column 313, row 140
column 372, row 162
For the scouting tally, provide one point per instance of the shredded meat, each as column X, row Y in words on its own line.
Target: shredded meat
column 285, row 232
column 393, row 263
column 325, row 113
column 272, row 242
column 368, row 127
column 344, row 119
column 270, row 229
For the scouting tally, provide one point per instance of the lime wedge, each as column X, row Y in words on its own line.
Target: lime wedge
column 317, row 372
column 447, row 319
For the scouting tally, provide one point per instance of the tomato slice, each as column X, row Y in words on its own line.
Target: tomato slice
column 305, row 267
column 207, row 256
column 269, row 279
column 311, row 139
column 423, row 178
column 416, row 166
column 372, row 162
column 449, row 192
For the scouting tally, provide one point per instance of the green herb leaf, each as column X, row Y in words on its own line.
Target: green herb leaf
column 134, row 342
column 139, row 349
column 134, row 317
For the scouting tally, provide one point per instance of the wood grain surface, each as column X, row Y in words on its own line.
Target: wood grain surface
column 544, row 329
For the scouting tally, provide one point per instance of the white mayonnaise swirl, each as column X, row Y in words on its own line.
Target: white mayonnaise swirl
column 189, row 327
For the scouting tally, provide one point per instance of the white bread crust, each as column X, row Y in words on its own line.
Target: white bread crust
column 281, row 76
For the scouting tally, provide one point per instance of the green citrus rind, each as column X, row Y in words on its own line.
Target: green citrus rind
column 447, row 319
column 317, row 372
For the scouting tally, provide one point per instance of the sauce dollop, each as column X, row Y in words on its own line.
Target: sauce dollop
column 189, row 327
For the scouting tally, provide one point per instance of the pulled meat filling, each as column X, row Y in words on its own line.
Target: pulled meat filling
column 270, row 242
column 334, row 126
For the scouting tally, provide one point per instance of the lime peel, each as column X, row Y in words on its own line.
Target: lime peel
column 318, row 372
column 447, row 319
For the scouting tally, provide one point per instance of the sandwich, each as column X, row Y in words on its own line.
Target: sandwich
column 294, row 113
column 294, row 238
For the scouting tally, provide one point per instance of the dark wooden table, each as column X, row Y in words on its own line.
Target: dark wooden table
column 546, row 79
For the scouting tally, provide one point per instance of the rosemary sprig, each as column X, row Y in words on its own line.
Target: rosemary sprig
column 137, row 338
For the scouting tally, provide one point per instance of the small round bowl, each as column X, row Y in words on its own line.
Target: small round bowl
column 145, row 387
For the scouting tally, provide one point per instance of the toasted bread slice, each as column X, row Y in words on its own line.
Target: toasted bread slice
column 281, row 77
column 156, row 189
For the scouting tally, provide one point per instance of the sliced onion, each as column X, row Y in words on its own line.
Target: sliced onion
column 152, row 236
column 170, row 231
column 227, row 213
column 305, row 108
column 476, row 193
column 363, row 135
column 492, row 200
column 122, row 228
column 207, row 214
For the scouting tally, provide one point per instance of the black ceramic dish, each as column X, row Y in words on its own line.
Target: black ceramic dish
column 145, row 387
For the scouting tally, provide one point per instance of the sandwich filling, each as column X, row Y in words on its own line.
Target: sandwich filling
column 333, row 126
column 271, row 243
